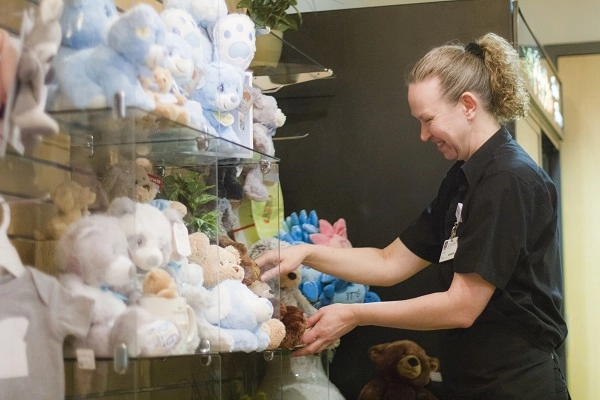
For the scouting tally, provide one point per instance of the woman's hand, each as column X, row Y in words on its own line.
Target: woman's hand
column 326, row 326
column 288, row 259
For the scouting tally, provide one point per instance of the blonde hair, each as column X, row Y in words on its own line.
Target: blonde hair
column 490, row 67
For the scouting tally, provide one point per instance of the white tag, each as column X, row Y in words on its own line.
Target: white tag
column 449, row 249
column 224, row 118
column 85, row 359
column 435, row 376
column 181, row 239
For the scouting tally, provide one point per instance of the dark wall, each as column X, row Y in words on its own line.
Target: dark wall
column 363, row 159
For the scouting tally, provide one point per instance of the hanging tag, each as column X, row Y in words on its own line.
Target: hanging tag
column 181, row 239
column 85, row 359
column 224, row 118
column 449, row 249
column 435, row 376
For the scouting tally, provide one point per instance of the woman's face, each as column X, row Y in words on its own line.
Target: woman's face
column 442, row 123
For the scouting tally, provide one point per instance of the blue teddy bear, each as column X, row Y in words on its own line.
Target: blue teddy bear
column 134, row 44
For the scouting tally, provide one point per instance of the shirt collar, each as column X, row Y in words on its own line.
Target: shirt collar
column 474, row 166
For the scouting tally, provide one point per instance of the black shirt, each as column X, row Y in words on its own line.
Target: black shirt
column 509, row 236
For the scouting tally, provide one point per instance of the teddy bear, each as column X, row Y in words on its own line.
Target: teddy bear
column 403, row 371
column 251, row 269
column 221, row 94
column 161, row 297
column 149, row 234
column 71, row 201
column 41, row 39
column 204, row 12
column 93, row 259
column 266, row 117
column 83, row 22
column 91, row 77
column 294, row 321
column 288, row 284
column 169, row 102
column 234, row 319
column 234, row 40
column 158, row 282
column 128, row 178
column 197, row 46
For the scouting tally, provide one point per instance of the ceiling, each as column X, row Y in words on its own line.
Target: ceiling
column 552, row 21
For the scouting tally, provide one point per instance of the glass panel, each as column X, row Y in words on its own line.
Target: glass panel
column 293, row 67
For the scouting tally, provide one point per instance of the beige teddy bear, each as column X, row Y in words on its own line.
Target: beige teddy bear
column 159, row 283
column 169, row 103
column 72, row 201
column 220, row 265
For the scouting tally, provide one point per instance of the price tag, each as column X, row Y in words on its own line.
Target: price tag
column 181, row 239
column 86, row 359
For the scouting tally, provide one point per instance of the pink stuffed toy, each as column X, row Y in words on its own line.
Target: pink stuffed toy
column 332, row 235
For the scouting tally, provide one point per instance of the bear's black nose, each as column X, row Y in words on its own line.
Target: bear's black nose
column 413, row 362
column 292, row 276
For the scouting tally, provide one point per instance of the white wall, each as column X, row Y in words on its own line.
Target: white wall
column 580, row 167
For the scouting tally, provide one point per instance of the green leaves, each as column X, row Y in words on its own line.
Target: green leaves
column 272, row 13
column 191, row 190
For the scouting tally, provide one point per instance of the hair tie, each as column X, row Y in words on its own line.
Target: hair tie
column 475, row 49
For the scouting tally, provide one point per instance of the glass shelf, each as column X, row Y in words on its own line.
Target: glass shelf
column 293, row 67
column 167, row 141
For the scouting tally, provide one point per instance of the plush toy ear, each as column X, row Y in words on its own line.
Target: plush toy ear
column 375, row 352
column 339, row 228
column 326, row 228
column 434, row 364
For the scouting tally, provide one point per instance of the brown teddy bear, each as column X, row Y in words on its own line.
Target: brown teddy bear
column 403, row 372
column 294, row 321
column 169, row 103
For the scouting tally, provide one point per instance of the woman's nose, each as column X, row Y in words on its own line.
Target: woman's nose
column 425, row 135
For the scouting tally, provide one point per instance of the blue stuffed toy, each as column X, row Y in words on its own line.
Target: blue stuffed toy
column 83, row 22
column 234, row 40
column 222, row 93
column 91, row 77
column 297, row 228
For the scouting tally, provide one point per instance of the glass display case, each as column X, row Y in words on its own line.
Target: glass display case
column 108, row 161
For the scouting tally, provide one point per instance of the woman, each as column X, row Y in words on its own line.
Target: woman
column 494, row 222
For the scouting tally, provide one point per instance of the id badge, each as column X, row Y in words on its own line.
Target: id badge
column 449, row 249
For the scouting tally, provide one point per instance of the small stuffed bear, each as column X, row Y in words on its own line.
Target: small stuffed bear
column 294, row 321
column 251, row 269
column 288, row 283
column 169, row 103
column 71, row 201
column 403, row 372
column 159, row 283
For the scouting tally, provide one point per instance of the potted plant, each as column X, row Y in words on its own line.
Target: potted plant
column 271, row 15
column 271, row 19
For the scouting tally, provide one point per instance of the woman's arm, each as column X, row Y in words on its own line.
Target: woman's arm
column 458, row 307
column 369, row 266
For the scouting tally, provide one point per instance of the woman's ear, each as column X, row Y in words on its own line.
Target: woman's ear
column 470, row 103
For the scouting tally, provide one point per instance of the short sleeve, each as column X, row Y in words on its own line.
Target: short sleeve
column 496, row 223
